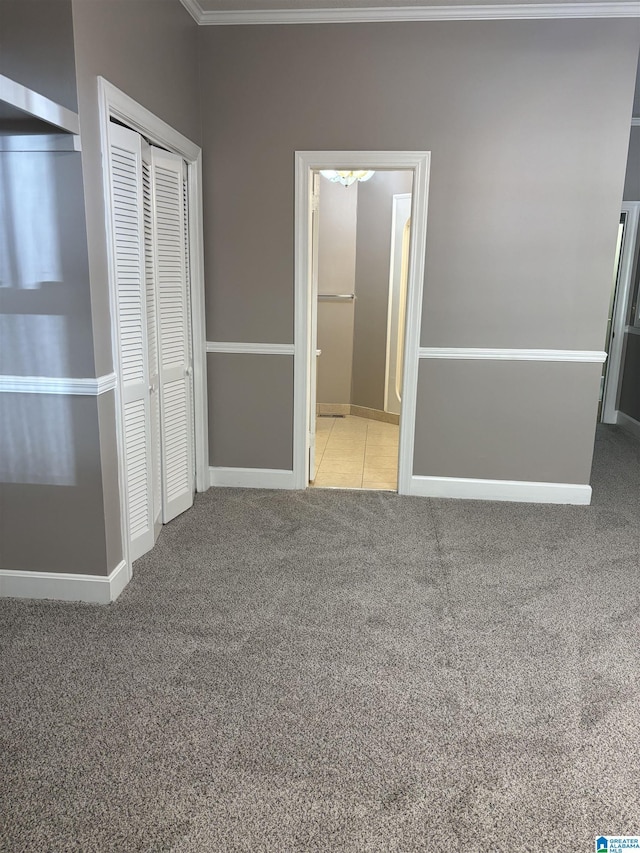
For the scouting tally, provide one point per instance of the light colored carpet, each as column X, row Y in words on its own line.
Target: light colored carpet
column 340, row 671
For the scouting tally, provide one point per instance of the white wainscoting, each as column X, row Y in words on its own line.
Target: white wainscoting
column 500, row 490
column 64, row 587
column 252, row 478
column 57, row 385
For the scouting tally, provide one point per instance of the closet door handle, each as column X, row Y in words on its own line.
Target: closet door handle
column 188, row 371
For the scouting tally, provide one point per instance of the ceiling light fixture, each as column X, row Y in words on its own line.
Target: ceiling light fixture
column 346, row 178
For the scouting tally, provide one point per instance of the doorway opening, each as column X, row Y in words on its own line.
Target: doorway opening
column 621, row 318
column 360, row 247
column 360, row 256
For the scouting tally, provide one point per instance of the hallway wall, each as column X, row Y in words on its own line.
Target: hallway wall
column 373, row 256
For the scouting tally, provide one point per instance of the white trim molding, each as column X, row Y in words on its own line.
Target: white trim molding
column 381, row 14
column 250, row 349
column 40, row 142
column 38, row 106
column 514, row 354
column 57, row 385
column 500, row 490
column 93, row 589
column 629, row 424
column 252, row 478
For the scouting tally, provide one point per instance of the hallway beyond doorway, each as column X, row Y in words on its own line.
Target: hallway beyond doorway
column 356, row 453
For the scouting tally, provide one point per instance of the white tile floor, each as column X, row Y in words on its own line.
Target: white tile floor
column 356, row 453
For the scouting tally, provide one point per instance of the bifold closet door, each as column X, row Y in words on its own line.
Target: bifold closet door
column 173, row 331
column 125, row 168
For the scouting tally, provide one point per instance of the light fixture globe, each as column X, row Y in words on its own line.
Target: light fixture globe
column 346, row 177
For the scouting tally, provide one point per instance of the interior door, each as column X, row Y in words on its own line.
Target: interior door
column 175, row 369
column 398, row 280
column 126, row 184
column 152, row 336
column 313, row 320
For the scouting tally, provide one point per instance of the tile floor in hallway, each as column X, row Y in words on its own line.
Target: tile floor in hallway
column 356, row 453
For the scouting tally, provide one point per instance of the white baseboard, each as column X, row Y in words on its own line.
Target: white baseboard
column 628, row 424
column 64, row 587
column 252, row 478
column 500, row 490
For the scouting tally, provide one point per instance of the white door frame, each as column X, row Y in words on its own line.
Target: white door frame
column 306, row 162
column 113, row 103
column 620, row 312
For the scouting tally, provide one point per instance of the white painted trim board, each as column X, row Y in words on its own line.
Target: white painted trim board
column 252, row 478
column 520, row 491
column 381, row 14
column 250, row 348
column 593, row 356
column 36, row 105
column 57, row 385
column 93, row 589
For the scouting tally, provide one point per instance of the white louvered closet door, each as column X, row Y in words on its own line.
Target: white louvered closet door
column 152, row 336
column 125, row 167
column 174, row 368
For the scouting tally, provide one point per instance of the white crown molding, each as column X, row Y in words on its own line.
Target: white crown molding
column 631, row 425
column 64, row 587
column 520, row 491
column 38, row 106
column 194, row 9
column 57, row 385
column 253, row 349
column 377, row 14
column 252, row 478
column 513, row 354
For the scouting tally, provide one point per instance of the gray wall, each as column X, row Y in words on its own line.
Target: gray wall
column 149, row 51
column 336, row 274
column 251, row 410
column 51, row 504
column 373, row 256
column 630, row 387
column 528, row 125
column 632, row 179
column 36, row 47
column 51, row 497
